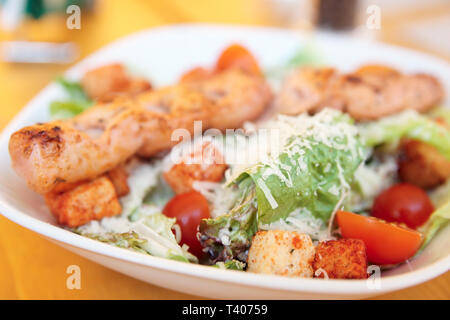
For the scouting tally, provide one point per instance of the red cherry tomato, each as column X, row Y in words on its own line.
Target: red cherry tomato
column 189, row 209
column 403, row 203
column 386, row 243
column 236, row 56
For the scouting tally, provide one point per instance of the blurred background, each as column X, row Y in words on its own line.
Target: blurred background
column 40, row 39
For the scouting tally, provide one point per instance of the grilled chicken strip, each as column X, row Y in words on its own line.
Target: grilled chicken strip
column 107, row 82
column 108, row 134
column 369, row 93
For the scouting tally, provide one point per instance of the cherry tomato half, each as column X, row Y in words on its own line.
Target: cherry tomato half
column 236, row 56
column 403, row 203
column 189, row 209
column 386, row 243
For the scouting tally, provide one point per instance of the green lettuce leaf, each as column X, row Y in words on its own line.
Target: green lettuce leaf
column 127, row 240
column 441, row 217
column 151, row 234
column 438, row 220
column 408, row 124
column 156, row 229
column 314, row 172
column 160, row 194
column 230, row 265
column 228, row 236
column 317, row 188
column 73, row 89
column 76, row 103
column 68, row 109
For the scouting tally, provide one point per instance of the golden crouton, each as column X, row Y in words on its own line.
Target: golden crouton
column 286, row 253
column 204, row 164
column 90, row 201
column 341, row 259
column 119, row 178
column 422, row 164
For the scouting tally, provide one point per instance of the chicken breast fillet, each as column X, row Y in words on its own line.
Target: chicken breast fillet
column 112, row 80
column 369, row 93
column 108, row 134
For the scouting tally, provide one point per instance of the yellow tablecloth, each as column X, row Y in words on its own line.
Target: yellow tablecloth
column 34, row 268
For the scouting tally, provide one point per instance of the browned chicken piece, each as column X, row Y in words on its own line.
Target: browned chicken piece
column 237, row 96
column 119, row 179
column 89, row 201
column 62, row 152
column 204, row 164
column 369, row 93
column 341, row 259
column 422, row 164
column 108, row 134
column 195, row 75
column 376, row 74
column 167, row 111
column 107, row 82
column 306, row 90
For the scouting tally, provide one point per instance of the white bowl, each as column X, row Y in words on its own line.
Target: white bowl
column 162, row 54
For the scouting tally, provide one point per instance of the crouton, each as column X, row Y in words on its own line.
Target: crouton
column 204, row 164
column 90, row 201
column 119, row 178
column 285, row 253
column 341, row 259
column 422, row 164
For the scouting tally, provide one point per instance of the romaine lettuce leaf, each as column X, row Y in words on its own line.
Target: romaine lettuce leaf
column 441, row 194
column 127, row 240
column 408, row 124
column 151, row 234
column 441, row 217
column 228, row 236
column 76, row 103
column 143, row 178
column 160, row 194
column 314, row 171
column 317, row 187
column 73, row 89
column 60, row 110
column 230, row 265
column 156, row 229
